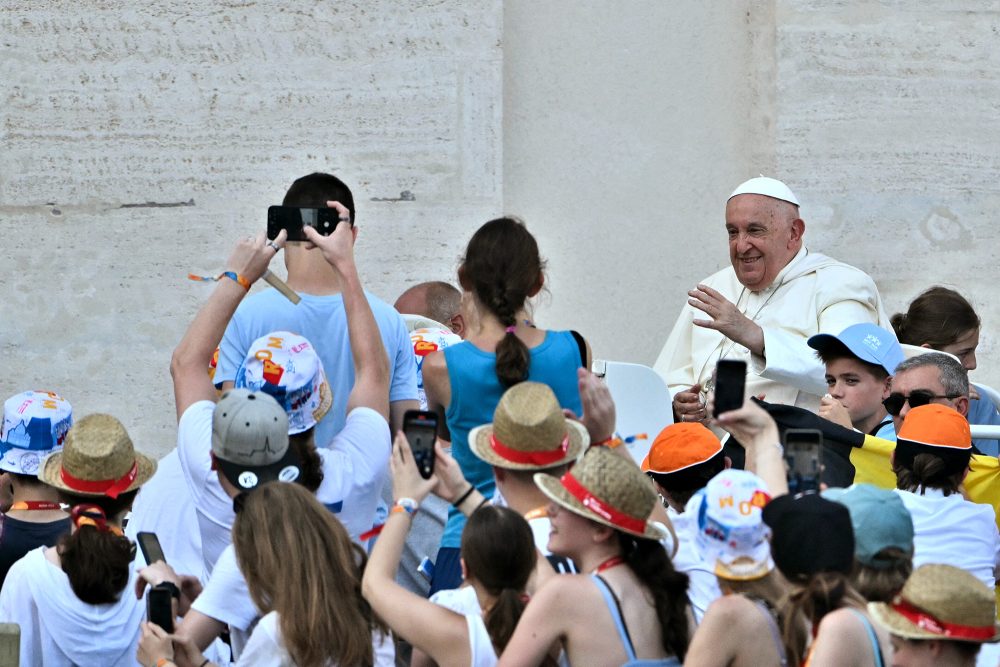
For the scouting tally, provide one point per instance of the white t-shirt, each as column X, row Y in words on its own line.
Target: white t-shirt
column 953, row 530
column 57, row 628
column 213, row 506
column 266, row 649
column 163, row 507
column 703, row 585
column 353, row 468
column 226, row 598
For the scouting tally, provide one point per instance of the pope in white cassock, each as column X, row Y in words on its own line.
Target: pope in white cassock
column 763, row 308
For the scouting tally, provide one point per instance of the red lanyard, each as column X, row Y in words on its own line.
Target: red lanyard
column 35, row 505
column 609, row 563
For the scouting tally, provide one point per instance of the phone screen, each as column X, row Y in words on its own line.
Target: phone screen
column 150, row 546
column 159, row 608
column 420, row 427
column 730, row 384
column 804, row 459
column 293, row 219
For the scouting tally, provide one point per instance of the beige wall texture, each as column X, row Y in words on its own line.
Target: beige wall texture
column 627, row 124
column 137, row 141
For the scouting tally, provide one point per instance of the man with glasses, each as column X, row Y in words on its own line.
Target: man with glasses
column 929, row 378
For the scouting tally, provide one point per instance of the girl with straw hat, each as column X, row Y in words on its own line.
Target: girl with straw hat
column 631, row 605
column 73, row 601
column 942, row 616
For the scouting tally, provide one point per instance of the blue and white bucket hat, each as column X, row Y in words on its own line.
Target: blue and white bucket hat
column 286, row 366
column 34, row 425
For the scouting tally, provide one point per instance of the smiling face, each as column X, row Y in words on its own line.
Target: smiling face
column 569, row 533
column 764, row 235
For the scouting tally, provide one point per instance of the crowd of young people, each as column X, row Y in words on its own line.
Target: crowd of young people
column 559, row 547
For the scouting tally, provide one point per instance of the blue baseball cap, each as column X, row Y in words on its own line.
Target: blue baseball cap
column 867, row 342
column 880, row 520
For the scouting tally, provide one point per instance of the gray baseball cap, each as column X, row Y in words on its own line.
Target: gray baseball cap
column 250, row 440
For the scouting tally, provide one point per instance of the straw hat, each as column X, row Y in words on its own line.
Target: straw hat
column 941, row 602
column 529, row 431
column 97, row 459
column 606, row 488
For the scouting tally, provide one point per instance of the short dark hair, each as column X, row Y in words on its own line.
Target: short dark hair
column 835, row 350
column 316, row 189
column 682, row 485
column 954, row 377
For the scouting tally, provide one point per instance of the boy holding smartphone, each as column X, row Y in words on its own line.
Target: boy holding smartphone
column 860, row 362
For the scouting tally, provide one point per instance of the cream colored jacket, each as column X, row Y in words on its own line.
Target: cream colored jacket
column 812, row 294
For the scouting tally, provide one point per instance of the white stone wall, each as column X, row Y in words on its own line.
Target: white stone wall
column 138, row 140
column 887, row 127
column 628, row 123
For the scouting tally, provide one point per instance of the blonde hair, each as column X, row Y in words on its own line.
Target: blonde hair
column 299, row 562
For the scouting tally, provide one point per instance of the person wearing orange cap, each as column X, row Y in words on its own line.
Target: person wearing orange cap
column 933, row 450
column 682, row 460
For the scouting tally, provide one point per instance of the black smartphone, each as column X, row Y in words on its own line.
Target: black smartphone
column 803, row 458
column 293, row 219
column 150, row 546
column 420, row 427
column 159, row 608
column 730, row 385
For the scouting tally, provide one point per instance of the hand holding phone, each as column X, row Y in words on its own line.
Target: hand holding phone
column 150, row 546
column 420, row 428
column 804, row 459
column 160, row 608
column 294, row 219
column 730, row 385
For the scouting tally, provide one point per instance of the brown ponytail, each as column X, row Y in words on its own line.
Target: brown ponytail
column 650, row 563
column 812, row 599
column 95, row 559
column 499, row 552
column 503, row 268
column 310, row 463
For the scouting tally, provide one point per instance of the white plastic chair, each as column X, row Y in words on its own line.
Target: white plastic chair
column 642, row 402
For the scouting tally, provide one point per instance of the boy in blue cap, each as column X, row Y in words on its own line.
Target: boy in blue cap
column 860, row 361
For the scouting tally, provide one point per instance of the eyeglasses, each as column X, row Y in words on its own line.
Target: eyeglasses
column 896, row 401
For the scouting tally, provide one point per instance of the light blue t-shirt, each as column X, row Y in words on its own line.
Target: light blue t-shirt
column 476, row 391
column 886, row 430
column 323, row 322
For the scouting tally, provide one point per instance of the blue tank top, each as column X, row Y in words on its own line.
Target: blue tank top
column 476, row 391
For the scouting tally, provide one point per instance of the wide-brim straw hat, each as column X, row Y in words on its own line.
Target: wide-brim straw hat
column 609, row 489
column 941, row 602
column 529, row 431
column 97, row 459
